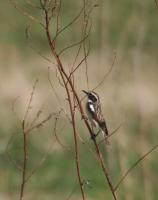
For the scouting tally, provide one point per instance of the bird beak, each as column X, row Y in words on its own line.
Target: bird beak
column 85, row 92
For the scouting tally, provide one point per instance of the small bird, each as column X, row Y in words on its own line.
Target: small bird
column 94, row 112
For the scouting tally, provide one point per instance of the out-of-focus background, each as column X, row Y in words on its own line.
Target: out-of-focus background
column 127, row 29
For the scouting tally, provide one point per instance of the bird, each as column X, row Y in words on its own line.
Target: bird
column 94, row 112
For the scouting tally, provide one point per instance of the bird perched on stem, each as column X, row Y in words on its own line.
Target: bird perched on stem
column 94, row 112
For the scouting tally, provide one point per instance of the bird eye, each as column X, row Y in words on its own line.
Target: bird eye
column 92, row 97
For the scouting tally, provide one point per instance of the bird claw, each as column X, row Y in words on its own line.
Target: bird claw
column 93, row 136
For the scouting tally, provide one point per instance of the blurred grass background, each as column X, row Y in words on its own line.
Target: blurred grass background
column 129, row 96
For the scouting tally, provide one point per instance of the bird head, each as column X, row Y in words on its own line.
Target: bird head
column 92, row 96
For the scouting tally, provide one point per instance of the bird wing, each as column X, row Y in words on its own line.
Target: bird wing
column 100, row 118
column 96, row 112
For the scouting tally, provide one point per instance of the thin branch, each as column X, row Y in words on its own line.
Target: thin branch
column 105, row 171
column 25, row 13
column 25, row 144
column 60, row 83
column 25, row 156
column 107, row 74
column 77, row 54
column 68, row 25
column 41, row 55
column 57, row 18
column 100, row 158
column 85, row 25
column 40, row 163
column 30, row 101
column 101, row 161
column 52, row 86
column 79, row 64
column 13, row 104
column 61, row 70
column 13, row 162
column 83, row 142
column 72, row 192
column 65, row 78
column 112, row 133
column 33, row 5
column 72, row 45
column 134, row 165
column 56, row 135
column 40, row 123
column 38, row 114
column 9, row 157
column 27, row 33
column 84, row 43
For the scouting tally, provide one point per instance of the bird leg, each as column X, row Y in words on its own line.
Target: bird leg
column 84, row 117
column 93, row 135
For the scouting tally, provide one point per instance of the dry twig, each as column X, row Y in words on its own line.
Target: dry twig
column 134, row 165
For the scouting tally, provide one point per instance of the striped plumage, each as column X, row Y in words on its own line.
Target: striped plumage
column 94, row 112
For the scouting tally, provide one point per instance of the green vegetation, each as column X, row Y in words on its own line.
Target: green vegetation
column 129, row 97
column 117, row 20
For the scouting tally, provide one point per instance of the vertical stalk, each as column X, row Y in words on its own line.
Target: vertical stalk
column 68, row 80
column 24, row 163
